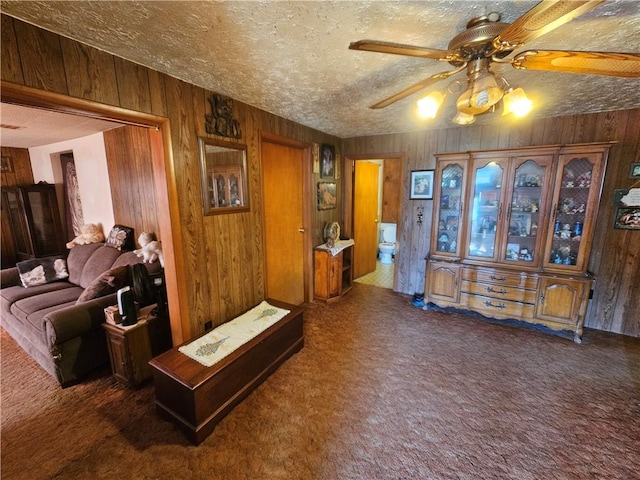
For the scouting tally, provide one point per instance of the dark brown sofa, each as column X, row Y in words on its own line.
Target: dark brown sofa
column 66, row 338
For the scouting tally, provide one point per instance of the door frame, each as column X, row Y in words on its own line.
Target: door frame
column 347, row 206
column 163, row 177
column 307, row 244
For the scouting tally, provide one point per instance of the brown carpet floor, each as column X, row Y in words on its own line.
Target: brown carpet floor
column 382, row 390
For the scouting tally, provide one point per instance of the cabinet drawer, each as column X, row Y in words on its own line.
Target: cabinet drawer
column 492, row 307
column 499, row 291
column 500, row 277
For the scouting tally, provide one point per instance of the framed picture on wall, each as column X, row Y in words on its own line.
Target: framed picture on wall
column 326, row 195
column 327, row 161
column 627, row 218
column 6, row 164
column 634, row 172
column 421, row 187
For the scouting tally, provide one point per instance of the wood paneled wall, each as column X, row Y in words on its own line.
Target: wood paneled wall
column 391, row 190
column 133, row 193
column 20, row 174
column 615, row 257
column 223, row 272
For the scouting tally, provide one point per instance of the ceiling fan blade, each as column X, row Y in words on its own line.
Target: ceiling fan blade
column 417, row 87
column 400, row 49
column 541, row 19
column 598, row 63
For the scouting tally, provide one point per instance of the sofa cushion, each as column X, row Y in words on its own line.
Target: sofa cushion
column 109, row 282
column 10, row 295
column 121, row 238
column 38, row 271
column 31, row 310
column 100, row 261
column 77, row 259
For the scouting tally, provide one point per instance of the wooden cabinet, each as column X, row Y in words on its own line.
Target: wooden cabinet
column 512, row 232
column 562, row 301
column 333, row 271
column 34, row 220
column 444, row 281
column 131, row 347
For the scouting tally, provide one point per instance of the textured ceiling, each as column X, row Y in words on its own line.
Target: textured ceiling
column 292, row 58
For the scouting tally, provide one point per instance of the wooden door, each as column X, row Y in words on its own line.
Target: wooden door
column 282, row 171
column 365, row 218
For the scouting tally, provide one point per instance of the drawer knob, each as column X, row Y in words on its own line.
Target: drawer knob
column 499, row 305
column 502, row 291
column 499, row 279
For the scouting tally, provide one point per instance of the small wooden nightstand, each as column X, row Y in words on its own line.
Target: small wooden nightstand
column 131, row 347
column 333, row 273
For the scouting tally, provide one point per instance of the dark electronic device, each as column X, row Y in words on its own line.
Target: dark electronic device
column 127, row 306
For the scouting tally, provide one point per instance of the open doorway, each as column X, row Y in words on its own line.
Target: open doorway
column 376, row 197
column 158, row 133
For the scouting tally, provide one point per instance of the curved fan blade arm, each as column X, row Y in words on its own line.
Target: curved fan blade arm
column 417, row 87
column 598, row 63
column 401, row 49
column 541, row 19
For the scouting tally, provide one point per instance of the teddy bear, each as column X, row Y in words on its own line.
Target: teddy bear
column 89, row 233
column 150, row 250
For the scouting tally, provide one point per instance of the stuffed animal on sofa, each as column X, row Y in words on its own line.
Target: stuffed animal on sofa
column 150, row 250
column 89, row 233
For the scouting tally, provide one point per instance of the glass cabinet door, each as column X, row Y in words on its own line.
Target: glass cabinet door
column 449, row 224
column 18, row 222
column 573, row 204
column 485, row 210
column 524, row 210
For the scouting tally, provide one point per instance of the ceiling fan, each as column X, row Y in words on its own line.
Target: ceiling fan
column 487, row 40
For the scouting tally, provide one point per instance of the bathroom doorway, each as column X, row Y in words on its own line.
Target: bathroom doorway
column 384, row 250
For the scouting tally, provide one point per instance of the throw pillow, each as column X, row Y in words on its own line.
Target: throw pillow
column 39, row 271
column 109, row 282
column 121, row 237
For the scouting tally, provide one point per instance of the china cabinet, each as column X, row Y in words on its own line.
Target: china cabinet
column 512, row 231
column 34, row 220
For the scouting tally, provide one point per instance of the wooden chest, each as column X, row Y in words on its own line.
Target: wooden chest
column 196, row 397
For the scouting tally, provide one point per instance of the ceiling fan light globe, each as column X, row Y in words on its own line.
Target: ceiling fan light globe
column 485, row 92
column 463, row 104
column 429, row 105
column 516, row 101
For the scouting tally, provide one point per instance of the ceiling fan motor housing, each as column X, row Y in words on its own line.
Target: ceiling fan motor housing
column 477, row 40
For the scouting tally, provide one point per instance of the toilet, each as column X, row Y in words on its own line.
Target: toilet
column 387, row 247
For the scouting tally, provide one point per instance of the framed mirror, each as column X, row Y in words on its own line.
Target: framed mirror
column 224, row 176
